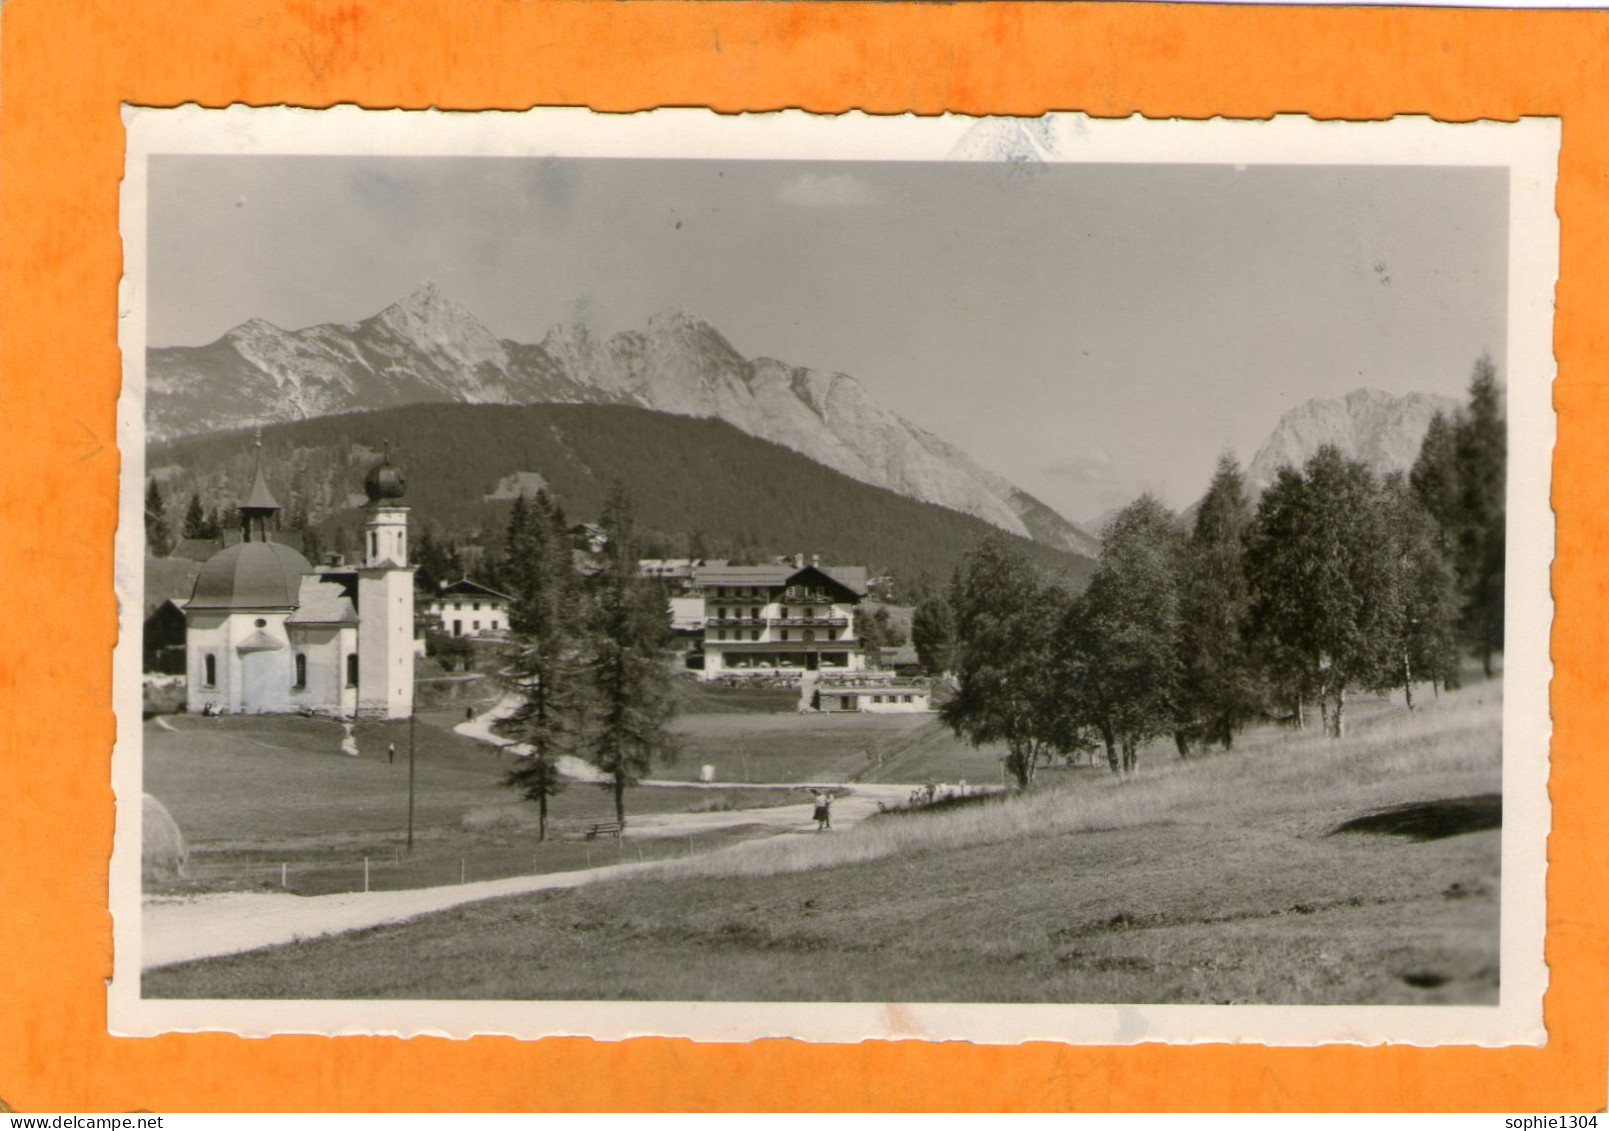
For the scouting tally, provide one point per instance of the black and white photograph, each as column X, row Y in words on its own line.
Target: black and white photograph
column 773, row 575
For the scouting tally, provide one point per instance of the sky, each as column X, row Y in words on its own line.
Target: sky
column 1088, row 331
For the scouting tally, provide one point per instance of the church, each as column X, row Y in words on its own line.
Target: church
column 267, row 632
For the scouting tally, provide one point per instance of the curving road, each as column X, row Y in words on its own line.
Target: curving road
column 184, row 928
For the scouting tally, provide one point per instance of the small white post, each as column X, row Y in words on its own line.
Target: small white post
column 461, row 872
column 365, row 873
column 282, row 882
column 589, row 855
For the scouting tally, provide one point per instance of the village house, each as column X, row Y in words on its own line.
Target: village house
column 766, row 619
column 468, row 608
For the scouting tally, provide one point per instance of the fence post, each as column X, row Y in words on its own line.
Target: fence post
column 282, row 882
column 365, row 873
column 461, row 872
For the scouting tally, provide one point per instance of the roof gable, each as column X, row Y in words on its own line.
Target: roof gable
column 464, row 587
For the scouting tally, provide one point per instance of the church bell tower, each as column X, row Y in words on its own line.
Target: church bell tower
column 385, row 599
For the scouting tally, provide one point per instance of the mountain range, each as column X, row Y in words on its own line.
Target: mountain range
column 429, row 349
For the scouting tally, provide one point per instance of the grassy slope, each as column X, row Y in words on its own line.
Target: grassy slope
column 1226, row 879
column 802, row 748
column 252, row 793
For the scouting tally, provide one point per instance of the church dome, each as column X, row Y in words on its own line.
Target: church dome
column 385, row 481
column 250, row 575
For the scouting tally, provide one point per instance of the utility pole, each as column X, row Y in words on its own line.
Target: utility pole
column 410, row 780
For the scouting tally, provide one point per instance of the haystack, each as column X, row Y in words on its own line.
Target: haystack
column 163, row 852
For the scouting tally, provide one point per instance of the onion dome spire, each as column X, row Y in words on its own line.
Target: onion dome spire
column 385, row 482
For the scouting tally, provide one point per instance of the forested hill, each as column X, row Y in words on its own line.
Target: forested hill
column 702, row 487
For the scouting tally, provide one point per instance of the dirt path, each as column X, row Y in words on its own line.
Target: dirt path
column 187, row 928
column 179, row 929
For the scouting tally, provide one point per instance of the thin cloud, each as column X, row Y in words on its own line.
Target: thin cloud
column 827, row 190
column 1094, row 466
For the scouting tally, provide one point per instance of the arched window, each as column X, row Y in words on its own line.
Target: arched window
column 301, row 670
column 351, row 669
column 374, row 546
column 210, row 664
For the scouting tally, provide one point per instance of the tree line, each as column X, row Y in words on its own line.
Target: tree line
column 1335, row 580
column 589, row 667
column 703, row 489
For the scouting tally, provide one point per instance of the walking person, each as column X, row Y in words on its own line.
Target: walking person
column 823, row 813
column 391, row 752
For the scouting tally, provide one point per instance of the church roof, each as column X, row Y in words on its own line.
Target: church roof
column 323, row 600
column 261, row 498
column 250, row 575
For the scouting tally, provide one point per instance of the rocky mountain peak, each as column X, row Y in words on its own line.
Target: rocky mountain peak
column 253, row 329
column 428, row 348
column 1382, row 429
column 445, row 330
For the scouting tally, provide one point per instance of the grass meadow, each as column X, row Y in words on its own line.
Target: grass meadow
column 1293, row 869
column 271, row 800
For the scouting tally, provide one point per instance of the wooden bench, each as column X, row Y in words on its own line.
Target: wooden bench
column 604, row 828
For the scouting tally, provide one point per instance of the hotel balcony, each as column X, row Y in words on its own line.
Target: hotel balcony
column 777, row 622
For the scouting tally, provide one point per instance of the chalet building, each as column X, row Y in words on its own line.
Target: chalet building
column 266, row 632
column 468, row 608
column 765, row 619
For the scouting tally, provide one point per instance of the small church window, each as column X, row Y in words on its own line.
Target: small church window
column 301, row 670
column 210, row 677
column 374, row 544
column 351, row 669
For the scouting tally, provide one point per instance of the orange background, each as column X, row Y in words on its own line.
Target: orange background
column 65, row 65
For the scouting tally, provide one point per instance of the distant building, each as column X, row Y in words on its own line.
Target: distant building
column 676, row 572
column 266, row 632
column 162, row 643
column 772, row 618
column 873, row 692
column 468, row 608
column 589, row 537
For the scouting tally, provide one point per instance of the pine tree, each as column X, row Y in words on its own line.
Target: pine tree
column 1220, row 689
column 1005, row 617
column 631, row 682
column 195, row 519
column 1118, row 655
column 1426, row 591
column 933, row 633
column 158, row 538
column 546, row 622
column 1318, row 557
column 1482, row 460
